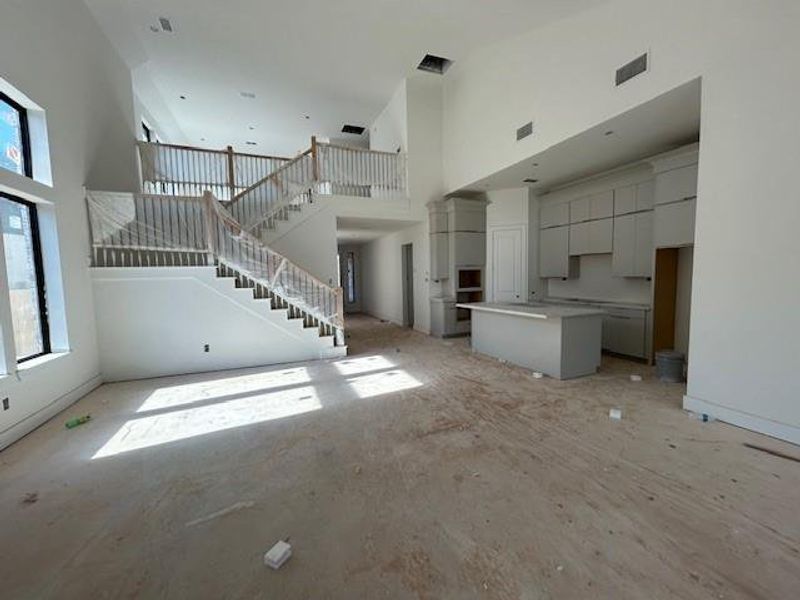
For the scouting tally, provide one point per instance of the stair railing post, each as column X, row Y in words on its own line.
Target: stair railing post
column 208, row 220
column 231, row 173
column 315, row 158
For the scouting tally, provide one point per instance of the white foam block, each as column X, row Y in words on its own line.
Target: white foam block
column 636, row 377
column 615, row 413
column 277, row 555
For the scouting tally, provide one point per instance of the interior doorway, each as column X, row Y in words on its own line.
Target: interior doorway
column 407, row 254
column 672, row 298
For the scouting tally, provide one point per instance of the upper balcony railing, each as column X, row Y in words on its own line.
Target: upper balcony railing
column 173, row 170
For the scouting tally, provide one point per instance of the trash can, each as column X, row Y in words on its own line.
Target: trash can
column 669, row 365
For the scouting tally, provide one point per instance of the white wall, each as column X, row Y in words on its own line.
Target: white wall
column 382, row 283
column 171, row 313
column 389, row 131
column 56, row 55
column 744, row 345
column 309, row 241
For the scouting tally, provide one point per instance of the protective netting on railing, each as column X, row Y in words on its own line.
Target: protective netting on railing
column 361, row 172
column 150, row 230
column 187, row 171
column 271, row 198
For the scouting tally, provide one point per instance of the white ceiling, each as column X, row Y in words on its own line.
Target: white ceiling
column 662, row 124
column 336, row 61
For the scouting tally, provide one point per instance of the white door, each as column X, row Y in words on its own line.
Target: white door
column 508, row 265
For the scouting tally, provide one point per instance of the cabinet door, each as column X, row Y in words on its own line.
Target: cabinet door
column 553, row 215
column 624, row 333
column 623, row 263
column 601, row 205
column 440, row 256
column 580, row 210
column 579, row 239
column 674, row 224
column 625, row 200
column 676, row 185
column 554, row 252
column 601, row 236
column 645, row 195
column 643, row 253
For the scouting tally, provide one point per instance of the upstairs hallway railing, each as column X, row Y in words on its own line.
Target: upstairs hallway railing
column 147, row 230
column 174, row 170
column 322, row 169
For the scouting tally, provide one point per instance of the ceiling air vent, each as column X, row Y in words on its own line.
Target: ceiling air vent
column 636, row 67
column 434, row 64
column 354, row 129
column 165, row 24
column 525, row 131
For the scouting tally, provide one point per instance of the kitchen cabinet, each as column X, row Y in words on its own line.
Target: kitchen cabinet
column 676, row 185
column 554, row 215
column 554, row 252
column 591, row 237
column 674, row 224
column 634, row 198
column 440, row 256
column 625, row 331
column 596, row 206
column 633, row 245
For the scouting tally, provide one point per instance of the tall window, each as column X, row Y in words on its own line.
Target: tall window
column 15, row 152
column 25, row 277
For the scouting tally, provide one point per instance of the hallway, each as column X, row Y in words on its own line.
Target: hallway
column 410, row 469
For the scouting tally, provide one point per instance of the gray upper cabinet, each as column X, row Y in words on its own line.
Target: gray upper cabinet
column 634, row 198
column 554, row 215
column 591, row 237
column 554, row 252
column 596, row 206
column 674, row 224
column 676, row 185
column 633, row 245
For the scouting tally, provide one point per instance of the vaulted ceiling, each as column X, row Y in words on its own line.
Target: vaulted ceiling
column 312, row 65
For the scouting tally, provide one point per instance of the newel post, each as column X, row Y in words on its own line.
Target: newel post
column 315, row 158
column 231, row 173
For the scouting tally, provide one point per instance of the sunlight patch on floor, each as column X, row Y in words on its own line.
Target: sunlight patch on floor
column 355, row 366
column 188, row 393
column 386, row 382
column 148, row 431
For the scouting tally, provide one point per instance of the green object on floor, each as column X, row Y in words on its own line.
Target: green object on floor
column 77, row 421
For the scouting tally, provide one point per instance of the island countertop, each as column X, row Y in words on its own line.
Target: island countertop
column 533, row 311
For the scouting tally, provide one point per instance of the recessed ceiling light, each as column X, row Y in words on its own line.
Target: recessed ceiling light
column 251, row 128
column 202, row 139
column 535, row 164
column 248, row 95
column 609, row 132
column 183, row 97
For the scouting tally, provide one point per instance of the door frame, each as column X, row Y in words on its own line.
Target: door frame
column 407, row 279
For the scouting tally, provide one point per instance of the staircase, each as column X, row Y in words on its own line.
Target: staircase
column 217, row 208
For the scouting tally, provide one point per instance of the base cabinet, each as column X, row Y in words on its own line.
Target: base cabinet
column 625, row 332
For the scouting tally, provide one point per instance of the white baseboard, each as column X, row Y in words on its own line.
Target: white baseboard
column 781, row 431
column 41, row 416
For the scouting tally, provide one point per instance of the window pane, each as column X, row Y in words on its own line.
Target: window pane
column 351, row 277
column 18, row 243
column 11, row 155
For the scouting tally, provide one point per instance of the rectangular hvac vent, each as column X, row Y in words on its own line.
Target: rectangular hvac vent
column 525, row 131
column 632, row 69
column 165, row 24
column 354, row 129
column 434, row 64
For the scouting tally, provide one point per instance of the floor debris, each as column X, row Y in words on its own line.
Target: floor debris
column 222, row 513
column 615, row 413
column 537, row 375
column 31, row 498
column 278, row 554
column 636, row 377
column 72, row 423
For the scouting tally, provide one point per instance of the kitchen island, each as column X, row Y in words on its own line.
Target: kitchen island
column 560, row 341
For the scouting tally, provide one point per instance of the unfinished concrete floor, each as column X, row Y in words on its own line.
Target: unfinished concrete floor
column 412, row 469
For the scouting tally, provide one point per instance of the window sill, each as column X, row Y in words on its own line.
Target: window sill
column 40, row 360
